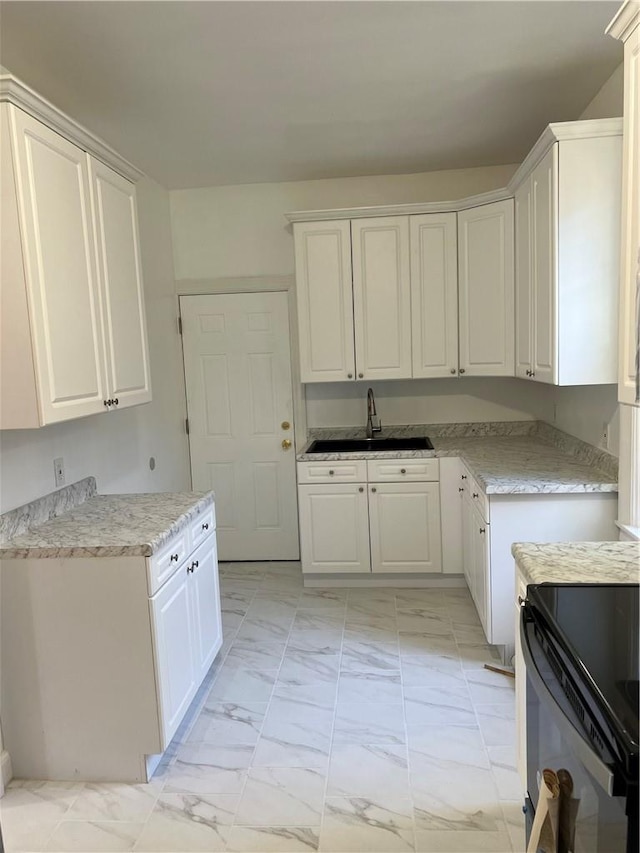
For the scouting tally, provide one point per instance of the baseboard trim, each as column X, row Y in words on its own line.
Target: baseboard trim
column 6, row 771
column 402, row 581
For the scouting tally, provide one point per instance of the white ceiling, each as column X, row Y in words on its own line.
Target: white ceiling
column 210, row 93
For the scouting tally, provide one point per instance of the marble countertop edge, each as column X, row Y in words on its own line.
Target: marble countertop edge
column 578, row 562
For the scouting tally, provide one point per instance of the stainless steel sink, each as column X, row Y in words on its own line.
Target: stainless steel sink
column 358, row 445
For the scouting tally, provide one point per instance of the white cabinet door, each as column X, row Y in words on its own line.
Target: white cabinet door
column 53, row 189
column 524, row 281
column 544, row 189
column 172, row 620
column 382, row 297
column 120, row 275
column 482, row 569
column 334, row 528
column 204, row 593
column 405, row 527
column 629, row 360
column 434, row 294
column 486, row 289
column 325, row 300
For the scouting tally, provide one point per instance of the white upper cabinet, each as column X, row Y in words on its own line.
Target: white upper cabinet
column 434, row 294
column 382, row 297
column 120, row 275
column 626, row 27
column 486, row 289
column 73, row 337
column 325, row 300
column 567, row 247
column 52, row 328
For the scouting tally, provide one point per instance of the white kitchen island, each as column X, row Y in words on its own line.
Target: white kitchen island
column 110, row 622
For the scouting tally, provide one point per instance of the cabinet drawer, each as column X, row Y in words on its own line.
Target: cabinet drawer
column 399, row 470
column 203, row 526
column 340, row 471
column 478, row 497
column 163, row 564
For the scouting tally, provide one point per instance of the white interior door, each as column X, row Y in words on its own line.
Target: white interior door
column 240, row 406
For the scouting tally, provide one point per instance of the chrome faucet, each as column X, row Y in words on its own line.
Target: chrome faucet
column 373, row 421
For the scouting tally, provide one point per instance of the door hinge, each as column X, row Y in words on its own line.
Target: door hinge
column 186, row 425
column 179, row 324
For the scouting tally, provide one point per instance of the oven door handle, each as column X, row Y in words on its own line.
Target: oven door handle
column 600, row 771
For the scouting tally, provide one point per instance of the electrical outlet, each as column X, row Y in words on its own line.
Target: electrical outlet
column 58, row 471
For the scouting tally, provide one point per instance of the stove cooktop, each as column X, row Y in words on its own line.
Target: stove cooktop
column 599, row 628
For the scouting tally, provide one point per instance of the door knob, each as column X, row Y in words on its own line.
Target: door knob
column 285, row 425
column 286, row 443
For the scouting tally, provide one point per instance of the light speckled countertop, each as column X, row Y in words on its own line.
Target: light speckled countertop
column 110, row 526
column 512, row 463
column 578, row 562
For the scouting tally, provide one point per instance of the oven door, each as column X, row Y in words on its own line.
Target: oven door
column 555, row 741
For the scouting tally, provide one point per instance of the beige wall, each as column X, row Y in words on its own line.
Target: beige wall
column 221, row 232
column 608, row 102
column 116, row 447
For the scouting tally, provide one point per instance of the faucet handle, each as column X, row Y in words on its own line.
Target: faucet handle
column 376, row 424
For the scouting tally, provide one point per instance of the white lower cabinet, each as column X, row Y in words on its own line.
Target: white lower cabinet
column 492, row 523
column 186, row 637
column 334, row 527
column 115, row 653
column 386, row 522
column 404, row 523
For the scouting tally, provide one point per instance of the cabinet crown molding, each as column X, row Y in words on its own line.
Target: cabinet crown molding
column 399, row 209
column 14, row 91
column 561, row 132
column 625, row 21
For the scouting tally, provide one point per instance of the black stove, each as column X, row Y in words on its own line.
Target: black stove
column 580, row 644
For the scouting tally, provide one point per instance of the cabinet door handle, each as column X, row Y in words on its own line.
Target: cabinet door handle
column 463, row 477
column 107, row 403
column 460, row 489
column 331, row 473
column 403, row 470
column 474, row 494
column 205, row 525
column 189, row 570
column 116, row 401
column 521, row 601
column 481, row 529
column 453, row 370
column 361, row 488
column 361, row 376
column 462, row 370
column 373, row 488
column 533, row 373
column 173, row 557
column 349, row 375
column 195, row 565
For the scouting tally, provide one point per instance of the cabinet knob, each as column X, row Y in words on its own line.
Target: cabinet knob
column 116, row 401
column 361, row 488
column 521, row 601
column 205, row 525
column 463, row 476
column 331, row 472
column 361, row 376
column 189, row 570
column 194, row 565
column 461, row 370
column 106, row 402
column 403, row 470
column 533, row 373
column 460, row 489
column 528, row 372
column 349, row 375
column 453, row 371
column 481, row 529
column 474, row 494
column 373, row 489
column 173, row 557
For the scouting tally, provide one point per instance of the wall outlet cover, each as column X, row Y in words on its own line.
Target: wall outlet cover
column 58, row 471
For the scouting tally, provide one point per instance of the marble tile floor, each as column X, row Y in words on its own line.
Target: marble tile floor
column 333, row 720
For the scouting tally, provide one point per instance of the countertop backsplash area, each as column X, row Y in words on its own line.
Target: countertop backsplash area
column 17, row 521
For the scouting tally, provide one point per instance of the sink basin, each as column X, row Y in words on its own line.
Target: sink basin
column 358, row 445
